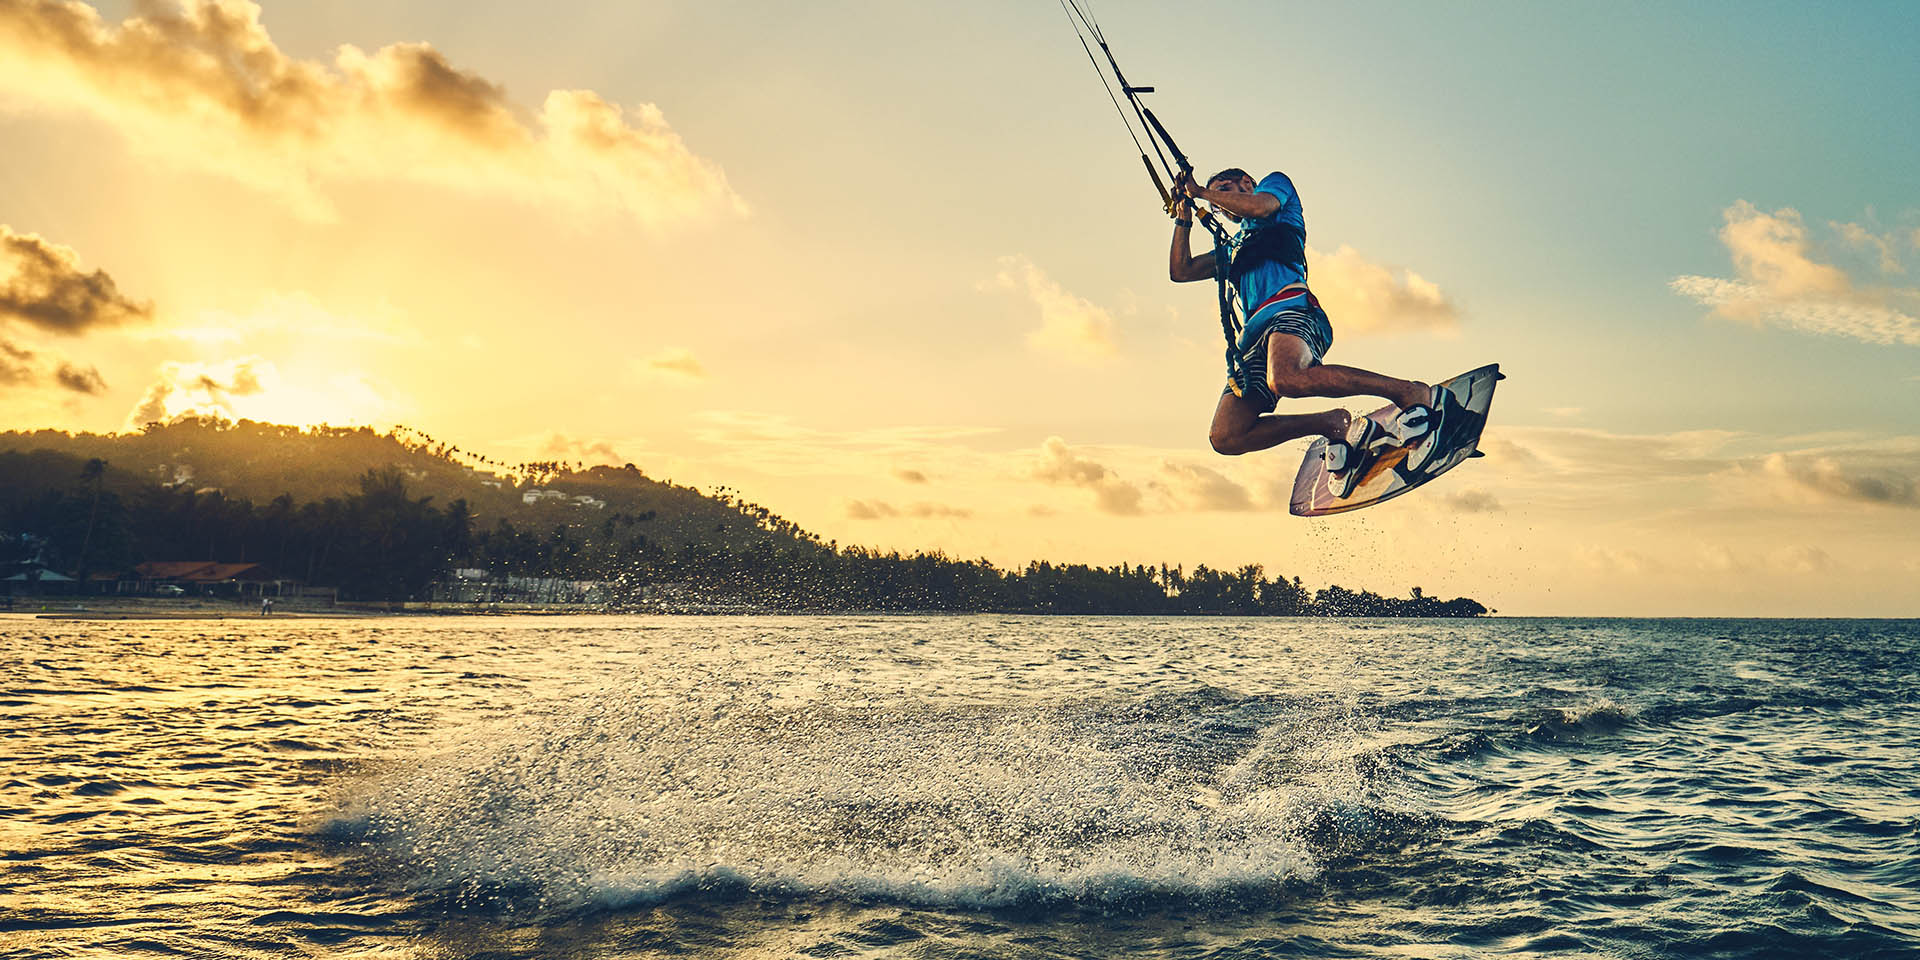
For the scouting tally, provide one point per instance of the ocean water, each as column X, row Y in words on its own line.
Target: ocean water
column 981, row 787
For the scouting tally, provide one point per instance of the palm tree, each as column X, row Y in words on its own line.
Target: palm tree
column 93, row 473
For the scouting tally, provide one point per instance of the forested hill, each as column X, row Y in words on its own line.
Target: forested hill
column 390, row 516
column 259, row 462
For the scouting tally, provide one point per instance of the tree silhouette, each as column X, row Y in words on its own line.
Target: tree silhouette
column 93, row 472
column 362, row 511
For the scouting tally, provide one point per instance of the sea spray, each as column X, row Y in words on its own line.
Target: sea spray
column 611, row 799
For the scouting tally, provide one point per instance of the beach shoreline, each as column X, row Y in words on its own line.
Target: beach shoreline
column 214, row 608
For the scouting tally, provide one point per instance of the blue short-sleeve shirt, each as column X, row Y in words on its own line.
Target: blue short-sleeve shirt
column 1271, row 251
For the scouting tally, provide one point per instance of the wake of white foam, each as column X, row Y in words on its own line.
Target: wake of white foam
column 616, row 800
column 1595, row 715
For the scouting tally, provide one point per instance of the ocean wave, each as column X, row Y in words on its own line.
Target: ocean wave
column 1592, row 717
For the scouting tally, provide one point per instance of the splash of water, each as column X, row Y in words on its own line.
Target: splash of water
column 614, row 800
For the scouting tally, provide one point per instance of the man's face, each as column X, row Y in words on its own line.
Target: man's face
column 1230, row 185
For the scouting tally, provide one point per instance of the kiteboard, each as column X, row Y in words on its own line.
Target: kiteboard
column 1386, row 476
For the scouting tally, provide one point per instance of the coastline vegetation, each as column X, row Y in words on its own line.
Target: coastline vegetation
column 393, row 516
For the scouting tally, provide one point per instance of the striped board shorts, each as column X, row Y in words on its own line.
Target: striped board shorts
column 1295, row 311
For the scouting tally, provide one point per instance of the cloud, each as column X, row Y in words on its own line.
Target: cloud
column 1587, row 456
column 880, row 510
column 1835, row 474
column 86, row 381
column 16, row 365
column 1363, row 297
column 870, row 510
column 1885, row 246
column 676, row 363
column 1503, row 449
column 911, row 476
column 571, row 449
column 42, row 286
column 1780, row 282
column 20, row 367
column 1070, row 327
column 202, row 83
column 1202, row 488
column 924, row 509
column 1115, row 497
column 1835, row 477
column 1060, row 465
column 1772, row 252
column 1720, row 559
column 200, row 389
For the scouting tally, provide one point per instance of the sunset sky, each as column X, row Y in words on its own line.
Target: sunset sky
column 894, row 270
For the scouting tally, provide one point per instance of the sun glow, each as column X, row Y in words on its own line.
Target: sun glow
column 252, row 388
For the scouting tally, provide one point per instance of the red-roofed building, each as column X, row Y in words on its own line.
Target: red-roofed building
column 213, row 577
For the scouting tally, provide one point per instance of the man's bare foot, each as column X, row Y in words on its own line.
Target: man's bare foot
column 1338, row 420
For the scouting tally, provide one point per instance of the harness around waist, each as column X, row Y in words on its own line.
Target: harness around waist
column 1294, row 291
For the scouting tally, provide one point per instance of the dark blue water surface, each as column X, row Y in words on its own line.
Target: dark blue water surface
column 983, row 786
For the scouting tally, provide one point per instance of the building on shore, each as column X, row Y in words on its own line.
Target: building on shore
column 207, row 578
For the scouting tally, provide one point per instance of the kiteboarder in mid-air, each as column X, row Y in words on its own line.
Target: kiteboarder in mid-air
column 1285, row 335
column 1276, row 334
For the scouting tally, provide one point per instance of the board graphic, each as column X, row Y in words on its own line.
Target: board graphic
column 1387, row 477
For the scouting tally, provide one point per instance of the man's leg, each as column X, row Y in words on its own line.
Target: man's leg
column 1240, row 427
column 1303, row 378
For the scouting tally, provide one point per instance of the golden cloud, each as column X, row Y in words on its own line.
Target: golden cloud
column 1060, row 464
column 1363, row 297
column 87, row 381
column 200, row 389
column 16, row 365
column 42, row 286
column 1070, row 327
column 1885, row 247
column 1840, row 477
column 923, row 510
column 203, row 84
column 1203, row 488
column 575, row 449
column 20, row 366
column 1780, row 282
column 677, row 362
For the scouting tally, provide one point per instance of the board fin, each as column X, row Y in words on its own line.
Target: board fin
column 1476, row 453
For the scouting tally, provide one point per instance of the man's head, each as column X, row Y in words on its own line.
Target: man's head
column 1232, row 179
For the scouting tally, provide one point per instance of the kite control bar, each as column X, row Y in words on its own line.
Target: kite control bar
column 1156, row 134
column 1084, row 26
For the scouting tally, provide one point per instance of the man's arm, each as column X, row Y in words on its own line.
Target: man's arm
column 1182, row 265
column 1246, row 206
